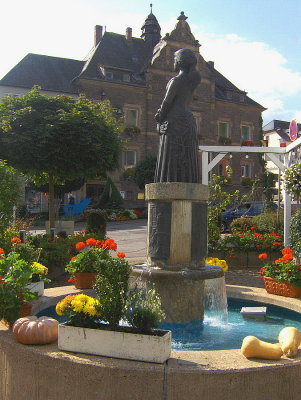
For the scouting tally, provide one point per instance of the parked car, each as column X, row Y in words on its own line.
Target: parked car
column 248, row 209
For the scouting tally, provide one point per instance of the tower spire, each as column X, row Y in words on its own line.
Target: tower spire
column 151, row 29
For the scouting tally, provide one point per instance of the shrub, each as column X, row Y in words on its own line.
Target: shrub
column 144, row 311
column 269, row 222
column 241, row 224
column 97, row 222
column 111, row 289
column 295, row 227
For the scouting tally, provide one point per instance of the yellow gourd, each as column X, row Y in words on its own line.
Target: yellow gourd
column 253, row 347
column 289, row 339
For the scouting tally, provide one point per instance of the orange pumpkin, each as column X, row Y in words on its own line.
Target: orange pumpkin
column 33, row 330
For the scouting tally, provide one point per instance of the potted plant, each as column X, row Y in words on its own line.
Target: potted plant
column 120, row 323
column 84, row 266
column 283, row 276
column 15, row 297
column 38, row 278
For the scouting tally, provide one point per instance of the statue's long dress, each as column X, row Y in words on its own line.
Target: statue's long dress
column 178, row 150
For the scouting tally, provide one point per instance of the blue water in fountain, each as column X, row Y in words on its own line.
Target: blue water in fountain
column 223, row 326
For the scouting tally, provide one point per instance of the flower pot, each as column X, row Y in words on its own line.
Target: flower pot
column 130, row 346
column 286, row 289
column 26, row 310
column 84, row 280
column 36, row 287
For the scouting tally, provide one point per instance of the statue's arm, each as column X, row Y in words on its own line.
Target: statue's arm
column 167, row 101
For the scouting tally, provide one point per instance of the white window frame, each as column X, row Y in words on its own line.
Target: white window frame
column 127, row 111
column 125, row 162
column 228, row 129
column 249, row 138
column 246, row 170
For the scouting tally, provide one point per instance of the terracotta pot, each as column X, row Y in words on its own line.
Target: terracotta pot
column 286, row 289
column 84, row 280
column 26, row 309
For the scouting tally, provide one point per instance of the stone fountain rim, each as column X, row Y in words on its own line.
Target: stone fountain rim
column 210, row 361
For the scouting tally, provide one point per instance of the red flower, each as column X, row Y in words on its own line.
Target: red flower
column 1, row 251
column 277, row 244
column 80, row 246
column 15, row 240
column 91, row 242
column 252, row 227
column 49, row 239
column 287, row 257
column 263, row 256
column 2, row 279
column 262, row 271
column 120, row 255
column 99, row 243
column 288, row 251
column 71, row 279
column 109, row 244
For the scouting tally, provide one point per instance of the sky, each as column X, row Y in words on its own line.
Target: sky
column 256, row 44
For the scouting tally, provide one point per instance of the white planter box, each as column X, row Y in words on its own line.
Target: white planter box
column 130, row 346
column 36, row 287
column 67, row 226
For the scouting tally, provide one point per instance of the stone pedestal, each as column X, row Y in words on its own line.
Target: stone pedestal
column 176, row 249
column 177, row 225
column 181, row 292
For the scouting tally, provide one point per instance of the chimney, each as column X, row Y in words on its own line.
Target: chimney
column 211, row 63
column 97, row 34
column 128, row 34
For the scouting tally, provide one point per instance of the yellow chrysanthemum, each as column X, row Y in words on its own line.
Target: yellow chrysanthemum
column 89, row 309
column 39, row 268
column 77, row 306
column 223, row 264
column 64, row 304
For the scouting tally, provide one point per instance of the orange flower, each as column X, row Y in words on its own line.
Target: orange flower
column 72, row 258
column 80, row 245
column 91, row 242
column 1, row 251
column 288, row 251
column 287, row 257
column 15, row 240
column 109, row 244
column 120, row 255
column 263, row 256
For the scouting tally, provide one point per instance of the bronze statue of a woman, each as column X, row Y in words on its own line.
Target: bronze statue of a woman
column 178, row 150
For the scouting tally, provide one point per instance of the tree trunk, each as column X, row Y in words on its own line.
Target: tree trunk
column 51, row 206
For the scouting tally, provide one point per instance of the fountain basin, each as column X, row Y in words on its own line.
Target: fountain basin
column 181, row 290
column 37, row 372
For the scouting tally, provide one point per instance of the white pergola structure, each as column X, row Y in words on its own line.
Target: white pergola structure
column 290, row 155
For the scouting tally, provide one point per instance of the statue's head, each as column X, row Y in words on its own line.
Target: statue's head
column 184, row 59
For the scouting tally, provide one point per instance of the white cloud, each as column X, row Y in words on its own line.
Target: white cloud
column 255, row 67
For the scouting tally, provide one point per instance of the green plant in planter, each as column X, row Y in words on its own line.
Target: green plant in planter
column 87, row 261
column 112, row 285
column 144, row 310
column 15, row 275
column 284, row 269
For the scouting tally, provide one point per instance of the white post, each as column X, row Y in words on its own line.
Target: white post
column 205, row 168
column 287, row 209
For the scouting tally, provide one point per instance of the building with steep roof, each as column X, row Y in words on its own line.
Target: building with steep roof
column 132, row 73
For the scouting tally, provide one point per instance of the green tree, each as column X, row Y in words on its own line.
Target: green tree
column 10, row 186
column 219, row 200
column 58, row 139
column 145, row 171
